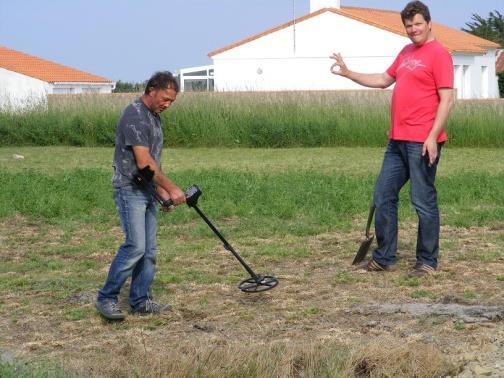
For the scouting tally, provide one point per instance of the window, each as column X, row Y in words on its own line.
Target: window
column 63, row 90
column 91, row 90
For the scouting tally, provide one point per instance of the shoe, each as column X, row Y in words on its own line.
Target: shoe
column 109, row 310
column 421, row 270
column 150, row 307
column 373, row 266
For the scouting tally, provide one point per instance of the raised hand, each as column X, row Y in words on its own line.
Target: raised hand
column 339, row 67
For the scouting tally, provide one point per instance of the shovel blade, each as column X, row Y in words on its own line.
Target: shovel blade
column 363, row 250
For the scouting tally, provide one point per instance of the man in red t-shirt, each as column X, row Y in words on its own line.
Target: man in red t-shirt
column 421, row 101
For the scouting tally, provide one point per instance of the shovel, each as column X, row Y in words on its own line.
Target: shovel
column 368, row 240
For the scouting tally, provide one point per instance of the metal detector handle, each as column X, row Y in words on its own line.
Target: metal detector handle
column 140, row 180
column 166, row 203
column 157, row 197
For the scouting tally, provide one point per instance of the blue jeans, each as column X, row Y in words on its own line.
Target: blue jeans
column 403, row 161
column 137, row 255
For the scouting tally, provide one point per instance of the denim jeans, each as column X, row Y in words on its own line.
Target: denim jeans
column 137, row 255
column 403, row 161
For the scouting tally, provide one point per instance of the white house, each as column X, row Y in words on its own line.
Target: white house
column 295, row 55
column 26, row 80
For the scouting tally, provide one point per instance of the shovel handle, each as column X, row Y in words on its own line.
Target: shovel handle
column 370, row 219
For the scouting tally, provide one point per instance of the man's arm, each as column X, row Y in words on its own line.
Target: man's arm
column 143, row 159
column 444, row 107
column 377, row 80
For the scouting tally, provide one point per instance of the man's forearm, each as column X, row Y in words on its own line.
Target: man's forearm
column 444, row 108
column 368, row 80
column 159, row 178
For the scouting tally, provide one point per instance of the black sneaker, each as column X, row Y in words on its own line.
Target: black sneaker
column 150, row 307
column 373, row 266
column 109, row 310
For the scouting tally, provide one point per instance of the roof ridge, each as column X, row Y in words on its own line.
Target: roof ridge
column 373, row 9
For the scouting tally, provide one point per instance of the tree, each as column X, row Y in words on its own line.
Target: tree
column 126, row 87
column 491, row 28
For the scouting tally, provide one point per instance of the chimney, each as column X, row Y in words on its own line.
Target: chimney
column 316, row 5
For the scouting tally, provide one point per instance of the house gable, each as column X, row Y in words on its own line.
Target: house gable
column 454, row 40
column 317, row 37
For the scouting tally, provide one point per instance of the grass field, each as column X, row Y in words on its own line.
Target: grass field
column 298, row 214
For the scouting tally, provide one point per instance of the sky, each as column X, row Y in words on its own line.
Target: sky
column 129, row 40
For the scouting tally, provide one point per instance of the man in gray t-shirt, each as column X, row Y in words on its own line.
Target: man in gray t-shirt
column 139, row 140
column 138, row 126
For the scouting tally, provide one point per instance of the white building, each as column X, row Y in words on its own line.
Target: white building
column 25, row 80
column 295, row 55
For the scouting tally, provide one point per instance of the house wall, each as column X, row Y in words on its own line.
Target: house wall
column 18, row 91
column 81, row 88
column 475, row 75
column 277, row 62
column 21, row 92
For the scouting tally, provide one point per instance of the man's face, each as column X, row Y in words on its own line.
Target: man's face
column 161, row 99
column 418, row 29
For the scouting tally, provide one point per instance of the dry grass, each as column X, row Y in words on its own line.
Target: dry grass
column 231, row 360
column 387, row 356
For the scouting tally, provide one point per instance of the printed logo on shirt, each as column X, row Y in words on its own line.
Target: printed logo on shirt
column 411, row 63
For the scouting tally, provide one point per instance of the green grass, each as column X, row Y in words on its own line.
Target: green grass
column 423, row 294
column 470, row 294
column 306, row 195
column 408, row 281
column 292, row 202
column 18, row 370
column 287, row 119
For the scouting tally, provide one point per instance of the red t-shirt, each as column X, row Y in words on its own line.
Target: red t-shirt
column 419, row 71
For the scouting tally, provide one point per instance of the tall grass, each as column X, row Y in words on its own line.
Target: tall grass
column 284, row 119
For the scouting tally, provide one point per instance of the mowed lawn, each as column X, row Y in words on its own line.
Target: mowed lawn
column 298, row 214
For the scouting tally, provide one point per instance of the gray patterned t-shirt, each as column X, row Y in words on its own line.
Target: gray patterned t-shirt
column 138, row 126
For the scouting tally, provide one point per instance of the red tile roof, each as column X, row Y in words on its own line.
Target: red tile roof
column 499, row 63
column 44, row 70
column 454, row 40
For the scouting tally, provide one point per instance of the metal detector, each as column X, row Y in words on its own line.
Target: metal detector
column 254, row 284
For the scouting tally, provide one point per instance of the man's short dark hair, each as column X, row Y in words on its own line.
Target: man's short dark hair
column 413, row 8
column 162, row 80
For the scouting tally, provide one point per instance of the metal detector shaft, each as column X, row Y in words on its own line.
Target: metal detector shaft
column 226, row 244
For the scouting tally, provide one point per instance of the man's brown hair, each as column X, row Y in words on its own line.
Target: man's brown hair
column 162, row 80
column 413, row 8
